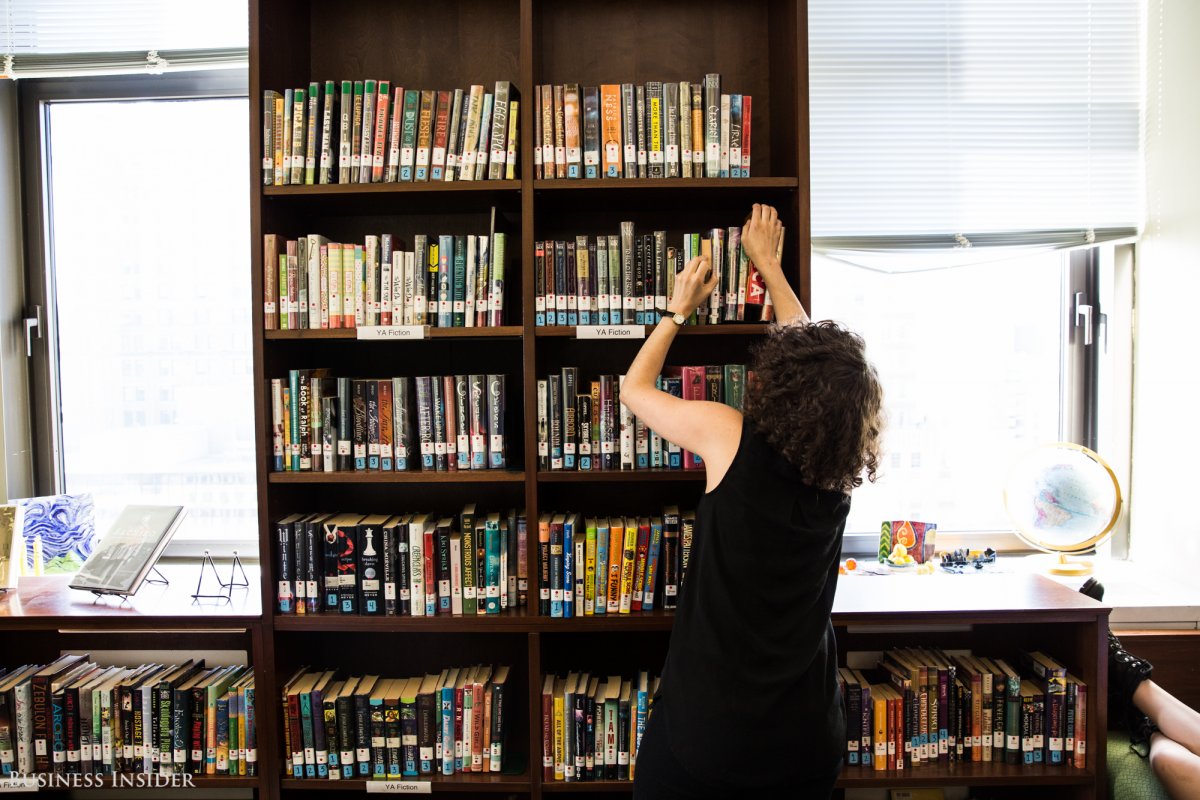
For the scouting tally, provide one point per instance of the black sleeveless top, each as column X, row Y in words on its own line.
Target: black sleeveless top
column 750, row 682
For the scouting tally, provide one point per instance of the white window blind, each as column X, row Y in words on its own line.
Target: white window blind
column 42, row 38
column 940, row 124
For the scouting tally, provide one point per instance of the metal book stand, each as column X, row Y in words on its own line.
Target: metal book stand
column 158, row 580
column 224, row 593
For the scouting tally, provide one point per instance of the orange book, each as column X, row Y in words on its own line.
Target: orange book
column 610, row 129
column 616, row 546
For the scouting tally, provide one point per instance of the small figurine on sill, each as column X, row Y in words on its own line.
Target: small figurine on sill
column 961, row 559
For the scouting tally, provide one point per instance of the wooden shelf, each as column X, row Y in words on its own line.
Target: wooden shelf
column 47, row 603
column 559, row 186
column 618, row 476
column 971, row 774
column 490, row 782
column 409, row 476
column 434, row 187
column 727, row 329
column 350, row 334
column 508, row 621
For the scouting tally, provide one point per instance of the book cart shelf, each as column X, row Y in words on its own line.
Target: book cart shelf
column 759, row 47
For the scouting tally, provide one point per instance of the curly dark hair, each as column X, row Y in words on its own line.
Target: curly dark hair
column 818, row 401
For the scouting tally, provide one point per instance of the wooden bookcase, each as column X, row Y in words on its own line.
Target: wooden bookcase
column 760, row 48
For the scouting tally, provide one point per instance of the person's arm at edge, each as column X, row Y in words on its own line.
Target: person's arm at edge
column 712, row 430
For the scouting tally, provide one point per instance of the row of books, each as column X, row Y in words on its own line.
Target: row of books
column 935, row 707
column 592, row 725
column 368, row 727
column 629, row 278
column 447, row 281
column 326, row 424
column 588, row 428
column 470, row 563
column 370, row 131
column 73, row 716
column 612, row 565
column 652, row 130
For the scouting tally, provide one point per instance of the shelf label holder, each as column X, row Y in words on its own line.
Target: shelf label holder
column 610, row 331
column 399, row 787
column 391, row 332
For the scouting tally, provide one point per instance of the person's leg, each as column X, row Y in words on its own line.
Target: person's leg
column 1176, row 767
column 1176, row 720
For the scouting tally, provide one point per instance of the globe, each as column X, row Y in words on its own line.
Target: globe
column 1062, row 498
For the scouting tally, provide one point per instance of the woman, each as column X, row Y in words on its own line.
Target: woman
column 1161, row 726
column 748, row 701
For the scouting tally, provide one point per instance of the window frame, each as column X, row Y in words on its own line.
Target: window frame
column 34, row 97
column 1080, row 393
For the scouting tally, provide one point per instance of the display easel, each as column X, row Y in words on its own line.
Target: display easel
column 158, row 580
column 225, row 590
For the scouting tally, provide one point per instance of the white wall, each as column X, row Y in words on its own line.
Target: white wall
column 1165, row 522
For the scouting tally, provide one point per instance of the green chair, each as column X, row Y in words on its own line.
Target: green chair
column 1129, row 775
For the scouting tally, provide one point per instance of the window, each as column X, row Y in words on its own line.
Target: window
column 146, row 283
column 976, row 167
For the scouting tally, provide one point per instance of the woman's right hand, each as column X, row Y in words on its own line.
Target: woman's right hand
column 760, row 237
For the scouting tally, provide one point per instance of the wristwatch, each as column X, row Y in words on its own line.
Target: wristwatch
column 678, row 319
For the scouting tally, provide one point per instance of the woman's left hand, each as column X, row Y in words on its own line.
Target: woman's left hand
column 693, row 284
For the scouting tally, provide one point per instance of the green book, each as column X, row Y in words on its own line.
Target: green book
column 345, row 112
column 589, row 567
column 408, row 133
column 496, row 290
column 356, row 123
column 734, row 385
column 216, row 691
column 310, row 151
column 325, row 163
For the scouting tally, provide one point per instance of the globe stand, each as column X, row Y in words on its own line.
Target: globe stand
column 1061, row 564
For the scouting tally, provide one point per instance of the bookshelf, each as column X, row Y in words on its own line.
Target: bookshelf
column 760, row 47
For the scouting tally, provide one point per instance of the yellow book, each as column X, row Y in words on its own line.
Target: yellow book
column 628, row 561
column 559, row 730
column 510, row 169
column 278, row 143
column 589, row 567
column 879, row 701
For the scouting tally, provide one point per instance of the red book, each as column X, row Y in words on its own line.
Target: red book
column 895, row 703
column 441, row 135
column 449, row 395
column 430, row 566
column 547, row 729
column 477, row 704
column 386, row 437
column 457, row 744
column 639, row 565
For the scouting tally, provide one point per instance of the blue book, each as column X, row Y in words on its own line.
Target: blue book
column 656, row 527
column 445, row 278
column 568, row 581
column 447, row 719
column 491, row 538
column 601, row 605
column 735, row 122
